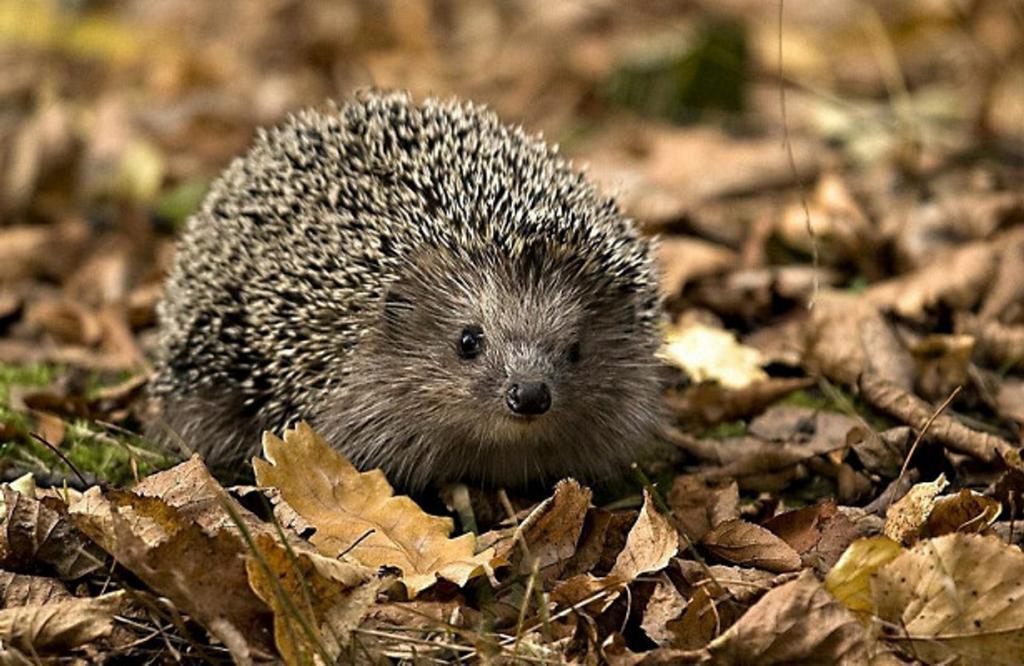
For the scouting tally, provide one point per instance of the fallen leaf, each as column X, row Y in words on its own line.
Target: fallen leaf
column 37, row 532
column 957, row 281
column 713, row 354
column 550, row 531
column 798, row 622
column 698, row 507
column 906, row 517
column 22, row 590
column 357, row 513
column 651, row 543
column 740, row 542
column 967, row 511
column 849, row 580
column 957, row 597
column 330, row 597
column 698, row 624
column 57, row 627
column 665, row 604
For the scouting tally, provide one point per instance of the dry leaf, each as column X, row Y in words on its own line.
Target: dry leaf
column 550, row 531
column 57, row 627
column 330, row 596
column 21, row 590
column 35, row 531
column 957, row 597
column 849, row 581
column 357, row 513
column 957, row 280
column 798, row 622
column 666, row 604
column 740, row 542
column 651, row 543
column 906, row 517
column 203, row 574
column 967, row 511
column 698, row 624
column 698, row 508
column 713, row 354
column 848, row 336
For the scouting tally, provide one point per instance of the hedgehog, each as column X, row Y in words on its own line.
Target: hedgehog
column 439, row 294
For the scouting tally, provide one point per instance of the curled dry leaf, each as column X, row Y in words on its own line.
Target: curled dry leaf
column 967, row 511
column 204, row 575
column 906, row 517
column 849, row 580
column 913, row 411
column 178, row 533
column 55, row 628
column 651, row 544
column 958, row 598
column 549, row 533
column 798, row 622
column 357, row 513
column 698, row 507
column 747, row 544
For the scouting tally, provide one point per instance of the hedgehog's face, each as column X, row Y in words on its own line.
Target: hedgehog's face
column 516, row 368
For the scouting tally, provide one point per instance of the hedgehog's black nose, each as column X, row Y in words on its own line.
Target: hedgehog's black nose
column 528, row 398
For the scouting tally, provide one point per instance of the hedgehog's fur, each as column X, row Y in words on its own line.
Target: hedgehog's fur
column 330, row 272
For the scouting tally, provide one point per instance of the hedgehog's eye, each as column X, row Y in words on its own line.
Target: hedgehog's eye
column 471, row 342
column 574, row 353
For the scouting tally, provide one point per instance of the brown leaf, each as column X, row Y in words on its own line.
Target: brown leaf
column 57, row 627
column 698, row 507
column 651, row 544
column 203, row 574
column 798, row 622
column 740, row 542
column 848, row 336
column 358, row 513
column 21, row 590
column 331, row 597
column 698, row 624
column 665, row 604
column 550, row 532
column 957, row 281
column 38, row 532
column 684, row 258
column 967, row 511
column 819, row 533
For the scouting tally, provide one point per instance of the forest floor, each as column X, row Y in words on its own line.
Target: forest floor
column 842, row 254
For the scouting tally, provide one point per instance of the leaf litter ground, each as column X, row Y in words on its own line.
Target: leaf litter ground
column 839, row 476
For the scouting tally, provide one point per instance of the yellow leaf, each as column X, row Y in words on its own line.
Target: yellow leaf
column 357, row 513
column 713, row 354
column 849, row 579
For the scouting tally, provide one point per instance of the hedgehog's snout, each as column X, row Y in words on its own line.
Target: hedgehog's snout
column 528, row 398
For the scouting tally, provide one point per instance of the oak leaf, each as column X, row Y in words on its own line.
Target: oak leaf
column 357, row 513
